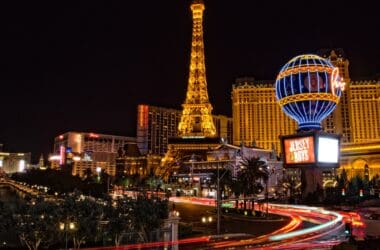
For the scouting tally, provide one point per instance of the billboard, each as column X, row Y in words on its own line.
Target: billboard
column 299, row 150
column 311, row 149
column 328, row 150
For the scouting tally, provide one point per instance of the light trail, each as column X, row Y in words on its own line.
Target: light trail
column 326, row 225
column 203, row 239
column 328, row 222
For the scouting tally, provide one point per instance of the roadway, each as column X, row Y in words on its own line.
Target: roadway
column 307, row 228
column 193, row 213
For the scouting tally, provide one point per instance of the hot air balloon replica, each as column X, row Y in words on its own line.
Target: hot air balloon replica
column 308, row 89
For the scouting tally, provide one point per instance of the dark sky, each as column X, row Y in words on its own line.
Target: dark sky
column 86, row 66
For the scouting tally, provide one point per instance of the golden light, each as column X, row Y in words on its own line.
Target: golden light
column 76, row 158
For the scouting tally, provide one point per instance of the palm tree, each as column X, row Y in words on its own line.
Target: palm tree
column 253, row 171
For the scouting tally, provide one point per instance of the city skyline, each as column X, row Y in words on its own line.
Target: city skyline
column 87, row 67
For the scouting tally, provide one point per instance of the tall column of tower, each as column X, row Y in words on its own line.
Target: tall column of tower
column 196, row 119
column 339, row 121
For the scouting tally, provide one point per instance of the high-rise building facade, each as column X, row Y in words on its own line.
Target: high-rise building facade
column 257, row 118
column 357, row 115
column 338, row 122
column 364, row 100
column 14, row 162
column 87, row 151
column 223, row 126
column 155, row 125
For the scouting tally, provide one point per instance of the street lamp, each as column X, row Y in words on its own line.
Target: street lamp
column 98, row 170
column 192, row 160
column 218, row 199
column 266, row 171
column 66, row 226
column 206, row 219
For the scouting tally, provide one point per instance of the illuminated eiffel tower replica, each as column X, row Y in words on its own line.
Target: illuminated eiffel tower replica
column 196, row 130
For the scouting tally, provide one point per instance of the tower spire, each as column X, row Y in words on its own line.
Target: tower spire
column 196, row 119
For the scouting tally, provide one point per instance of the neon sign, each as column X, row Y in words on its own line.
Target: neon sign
column 336, row 83
column 299, row 150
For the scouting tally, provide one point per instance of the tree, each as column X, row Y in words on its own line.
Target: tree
column 355, row 185
column 88, row 177
column 149, row 214
column 6, row 215
column 252, row 172
column 152, row 182
column 36, row 225
column 118, row 216
column 85, row 215
column 342, row 180
column 237, row 189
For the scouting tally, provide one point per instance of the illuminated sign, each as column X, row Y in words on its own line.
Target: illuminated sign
column 76, row 158
column 143, row 116
column 87, row 156
column 21, row 165
column 62, row 155
column 311, row 149
column 55, row 158
column 336, row 83
column 299, row 150
column 92, row 135
column 328, row 150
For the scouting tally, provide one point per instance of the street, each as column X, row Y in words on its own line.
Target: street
column 193, row 213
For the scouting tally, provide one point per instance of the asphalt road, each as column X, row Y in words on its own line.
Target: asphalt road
column 193, row 213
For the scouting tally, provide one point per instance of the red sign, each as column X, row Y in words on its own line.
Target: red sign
column 299, row 150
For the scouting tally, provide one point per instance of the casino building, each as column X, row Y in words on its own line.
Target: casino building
column 80, row 151
column 258, row 119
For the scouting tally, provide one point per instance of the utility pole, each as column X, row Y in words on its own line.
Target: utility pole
column 270, row 172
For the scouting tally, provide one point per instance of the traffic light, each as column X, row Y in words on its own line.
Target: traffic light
column 361, row 192
column 343, row 192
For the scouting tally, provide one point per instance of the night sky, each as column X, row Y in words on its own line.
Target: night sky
column 86, row 66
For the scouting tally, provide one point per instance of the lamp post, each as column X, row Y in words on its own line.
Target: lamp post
column 266, row 175
column 66, row 226
column 218, row 199
column 98, row 171
column 192, row 160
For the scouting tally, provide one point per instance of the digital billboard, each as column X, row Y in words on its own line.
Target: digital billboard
column 299, row 150
column 328, row 150
column 311, row 149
